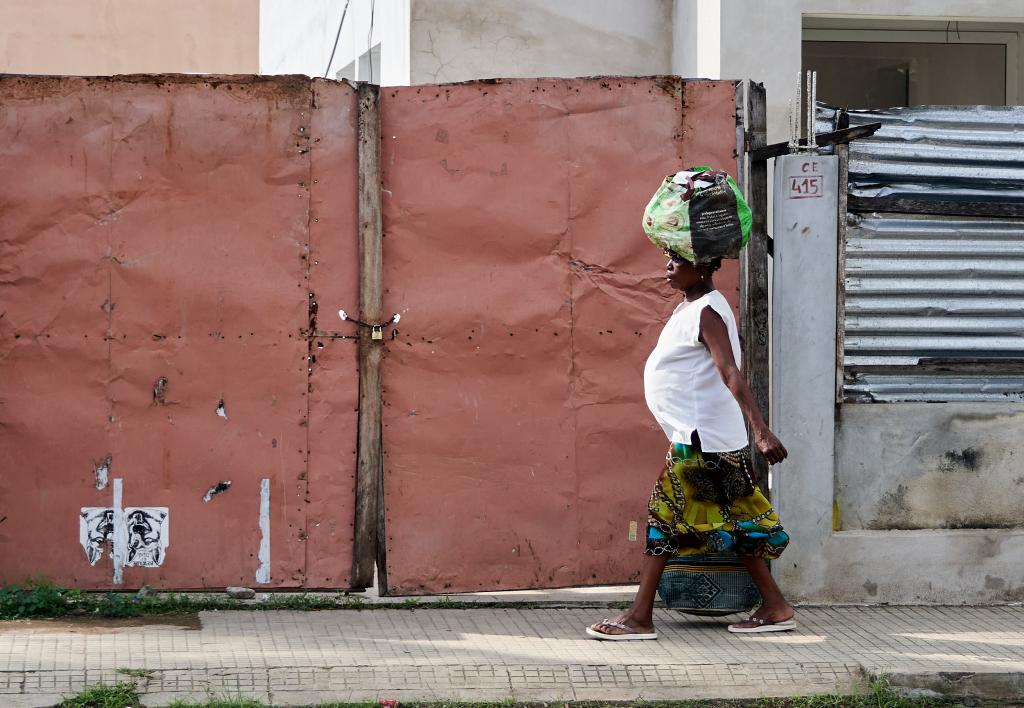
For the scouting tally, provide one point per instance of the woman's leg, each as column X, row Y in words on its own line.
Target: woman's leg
column 640, row 615
column 774, row 607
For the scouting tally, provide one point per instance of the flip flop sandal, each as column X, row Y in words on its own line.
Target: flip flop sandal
column 763, row 625
column 628, row 636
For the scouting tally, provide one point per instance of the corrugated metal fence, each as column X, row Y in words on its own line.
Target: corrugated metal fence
column 934, row 263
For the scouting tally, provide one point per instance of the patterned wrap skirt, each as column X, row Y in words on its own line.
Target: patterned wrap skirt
column 707, row 502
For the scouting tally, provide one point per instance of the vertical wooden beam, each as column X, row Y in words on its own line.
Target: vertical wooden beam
column 367, row 541
column 754, row 321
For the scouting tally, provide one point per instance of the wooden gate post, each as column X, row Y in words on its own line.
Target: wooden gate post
column 367, row 541
column 754, row 323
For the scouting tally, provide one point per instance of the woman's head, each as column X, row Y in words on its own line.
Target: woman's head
column 682, row 275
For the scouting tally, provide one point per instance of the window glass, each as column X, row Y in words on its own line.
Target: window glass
column 878, row 75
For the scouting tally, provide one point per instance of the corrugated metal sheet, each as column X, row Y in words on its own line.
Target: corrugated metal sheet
column 934, row 304
column 888, row 388
column 936, row 153
column 925, row 290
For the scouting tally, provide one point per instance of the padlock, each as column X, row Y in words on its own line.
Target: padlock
column 378, row 332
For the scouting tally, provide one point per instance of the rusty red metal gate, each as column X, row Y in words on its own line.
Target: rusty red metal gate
column 165, row 240
column 174, row 251
column 518, row 449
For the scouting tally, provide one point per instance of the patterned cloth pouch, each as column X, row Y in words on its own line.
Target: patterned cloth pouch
column 709, row 584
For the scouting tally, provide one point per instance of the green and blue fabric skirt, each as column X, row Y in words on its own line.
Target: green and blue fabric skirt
column 707, row 502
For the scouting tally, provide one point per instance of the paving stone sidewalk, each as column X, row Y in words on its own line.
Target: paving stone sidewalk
column 291, row 658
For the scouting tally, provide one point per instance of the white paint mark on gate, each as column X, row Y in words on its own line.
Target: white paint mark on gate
column 120, row 532
column 263, row 571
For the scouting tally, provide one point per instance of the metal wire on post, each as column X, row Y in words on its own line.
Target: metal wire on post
column 812, row 100
column 809, row 128
column 337, row 36
column 369, row 39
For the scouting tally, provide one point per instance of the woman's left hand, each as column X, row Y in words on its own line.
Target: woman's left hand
column 771, row 447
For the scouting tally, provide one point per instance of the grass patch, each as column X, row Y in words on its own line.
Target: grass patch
column 43, row 599
column 222, row 703
column 879, row 696
column 119, row 695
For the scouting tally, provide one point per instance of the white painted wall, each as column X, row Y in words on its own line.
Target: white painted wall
column 459, row 40
column 296, row 38
column 761, row 40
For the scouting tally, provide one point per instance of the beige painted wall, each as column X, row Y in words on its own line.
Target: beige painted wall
column 102, row 37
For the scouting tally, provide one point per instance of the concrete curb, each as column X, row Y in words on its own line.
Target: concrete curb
column 1005, row 687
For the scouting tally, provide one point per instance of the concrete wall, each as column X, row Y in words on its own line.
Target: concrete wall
column 929, row 466
column 894, row 503
column 457, row 40
column 296, row 38
column 762, row 40
column 103, row 37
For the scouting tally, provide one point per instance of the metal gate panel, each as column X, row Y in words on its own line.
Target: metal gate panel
column 196, row 227
column 475, row 212
column 53, row 346
column 517, row 444
column 194, row 211
column 620, row 301
column 334, row 382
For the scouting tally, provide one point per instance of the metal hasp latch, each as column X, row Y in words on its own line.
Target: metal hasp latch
column 376, row 330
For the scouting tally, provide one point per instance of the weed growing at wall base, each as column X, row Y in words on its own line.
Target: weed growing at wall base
column 36, row 598
column 123, row 695
column 41, row 598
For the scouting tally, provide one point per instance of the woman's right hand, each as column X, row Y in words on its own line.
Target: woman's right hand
column 771, row 447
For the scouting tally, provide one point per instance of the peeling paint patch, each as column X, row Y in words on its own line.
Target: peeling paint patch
column 263, row 571
column 221, row 410
column 160, row 391
column 101, row 471
column 216, row 489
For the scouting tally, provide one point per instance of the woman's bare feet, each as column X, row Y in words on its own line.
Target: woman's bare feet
column 779, row 615
column 625, row 626
column 626, row 620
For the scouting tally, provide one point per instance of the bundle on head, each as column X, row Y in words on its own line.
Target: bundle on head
column 698, row 215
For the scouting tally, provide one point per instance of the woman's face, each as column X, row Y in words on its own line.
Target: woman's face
column 681, row 274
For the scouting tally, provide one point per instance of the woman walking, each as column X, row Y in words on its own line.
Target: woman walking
column 706, row 498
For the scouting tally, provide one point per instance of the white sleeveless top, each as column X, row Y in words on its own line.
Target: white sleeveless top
column 683, row 388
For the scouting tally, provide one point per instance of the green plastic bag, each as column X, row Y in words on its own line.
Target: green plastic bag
column 700, row 215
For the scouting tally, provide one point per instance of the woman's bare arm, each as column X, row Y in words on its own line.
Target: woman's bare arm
column 716, row 338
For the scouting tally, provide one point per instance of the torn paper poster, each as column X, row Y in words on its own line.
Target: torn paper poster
column 95, row 528
column 145, row 528
column 147, row 535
